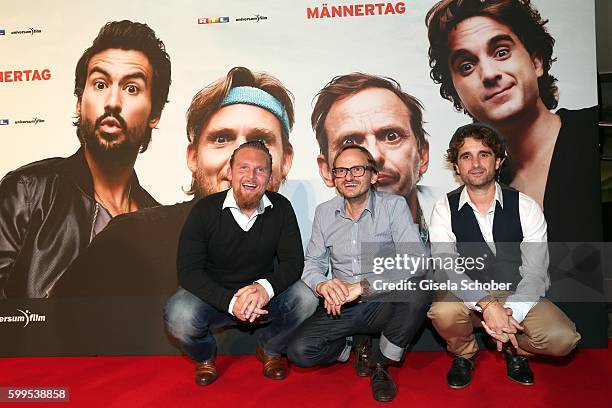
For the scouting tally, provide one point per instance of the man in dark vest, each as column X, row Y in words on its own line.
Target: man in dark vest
column 496, row 237
column 494, row 61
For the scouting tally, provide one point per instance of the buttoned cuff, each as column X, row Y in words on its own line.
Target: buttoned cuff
column 267, row 286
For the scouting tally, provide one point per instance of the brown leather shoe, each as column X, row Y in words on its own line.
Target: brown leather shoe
column 274, row 368
column 206, row 372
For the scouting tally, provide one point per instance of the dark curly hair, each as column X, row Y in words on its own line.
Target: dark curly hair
column 489, row 136
column 524, row 20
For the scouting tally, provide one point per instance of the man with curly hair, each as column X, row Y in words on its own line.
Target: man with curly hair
column 506, row 230
column 492, row 59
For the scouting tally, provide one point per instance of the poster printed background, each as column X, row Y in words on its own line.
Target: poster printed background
column 304, row 53
column 45, row 39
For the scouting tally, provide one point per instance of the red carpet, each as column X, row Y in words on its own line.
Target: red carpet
column 583, row 380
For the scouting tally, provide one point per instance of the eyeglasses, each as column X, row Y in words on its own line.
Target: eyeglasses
column 356, row 171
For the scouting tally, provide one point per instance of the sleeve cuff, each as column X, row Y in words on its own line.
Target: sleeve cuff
column 231, row 305
column 519, row 309
column 267, row 286
column 314, row 283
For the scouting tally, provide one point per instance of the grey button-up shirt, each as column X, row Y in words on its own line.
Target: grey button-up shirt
column 349, row 245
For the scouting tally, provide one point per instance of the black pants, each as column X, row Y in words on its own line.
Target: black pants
column 321, row 338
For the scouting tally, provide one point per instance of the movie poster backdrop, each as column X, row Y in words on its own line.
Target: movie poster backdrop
column 302, row 43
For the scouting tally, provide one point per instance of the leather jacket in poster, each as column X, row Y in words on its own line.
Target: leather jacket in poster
column 47, row 215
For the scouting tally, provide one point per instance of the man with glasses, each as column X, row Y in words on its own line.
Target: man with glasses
column 374, row 112
column 359, row 218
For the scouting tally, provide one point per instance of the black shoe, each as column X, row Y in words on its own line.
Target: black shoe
column 518, row 369
column 383, row 387
column 460, row 373
column 363, row 356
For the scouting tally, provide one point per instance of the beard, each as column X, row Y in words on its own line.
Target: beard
column 108, row 151
column 248, row 201
column 482, row 183
column 204, row 185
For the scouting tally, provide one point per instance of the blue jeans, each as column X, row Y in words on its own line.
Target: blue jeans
column 322, row 338
column 189, row 319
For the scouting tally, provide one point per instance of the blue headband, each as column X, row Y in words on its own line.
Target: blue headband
column 254, row 96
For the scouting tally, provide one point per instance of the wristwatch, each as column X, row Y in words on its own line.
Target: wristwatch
column 365, row 286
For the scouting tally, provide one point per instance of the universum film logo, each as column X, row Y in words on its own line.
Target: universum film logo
column 30, row 31
column 257, row 18
column 26, row 317
column 213, row 20
column 34, row 121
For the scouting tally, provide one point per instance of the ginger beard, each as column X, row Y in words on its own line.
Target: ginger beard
column 249, row 177
column 249, row 194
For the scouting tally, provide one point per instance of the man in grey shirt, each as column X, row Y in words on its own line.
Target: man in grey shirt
column 351, row 232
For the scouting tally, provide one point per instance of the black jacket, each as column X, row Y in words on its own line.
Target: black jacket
column 47, row 214
column 135, row 255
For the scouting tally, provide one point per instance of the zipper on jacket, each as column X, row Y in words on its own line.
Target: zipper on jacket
column 93, row 222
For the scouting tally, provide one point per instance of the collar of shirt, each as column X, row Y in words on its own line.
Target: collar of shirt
column 370, row 206
column 464, row 198
column 243, row 221
column 230, row 202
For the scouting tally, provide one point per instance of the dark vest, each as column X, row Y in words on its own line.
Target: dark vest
column 507, row 235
